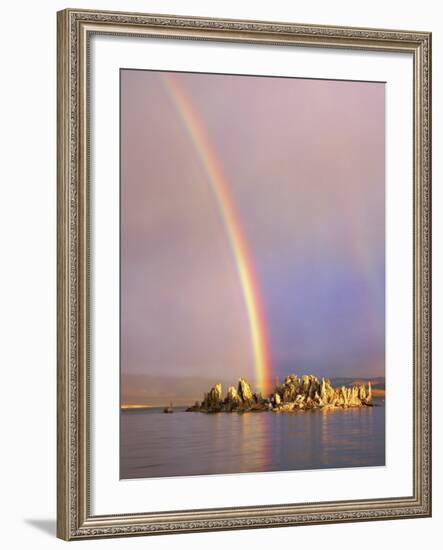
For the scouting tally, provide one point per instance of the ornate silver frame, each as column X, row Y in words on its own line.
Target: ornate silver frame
column 74, row 519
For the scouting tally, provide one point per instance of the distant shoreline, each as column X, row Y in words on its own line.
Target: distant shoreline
column 135, row 407
column 376, row 392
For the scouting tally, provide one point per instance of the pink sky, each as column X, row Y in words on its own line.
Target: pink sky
column 305, row 163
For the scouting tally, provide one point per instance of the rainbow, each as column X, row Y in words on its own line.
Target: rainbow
column 220, row 188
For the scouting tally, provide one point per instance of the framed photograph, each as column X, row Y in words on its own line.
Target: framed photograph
column 244, row 293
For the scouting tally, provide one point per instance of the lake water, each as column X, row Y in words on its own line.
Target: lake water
column 154, row 444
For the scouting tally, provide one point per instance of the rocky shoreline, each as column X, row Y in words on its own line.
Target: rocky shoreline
column 295, row 394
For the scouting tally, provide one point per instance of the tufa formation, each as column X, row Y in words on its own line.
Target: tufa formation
column 296, row 393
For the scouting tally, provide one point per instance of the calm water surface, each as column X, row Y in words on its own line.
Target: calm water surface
column 154, row 444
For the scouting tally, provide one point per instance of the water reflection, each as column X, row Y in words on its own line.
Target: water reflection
column 156, row 445
column 325, row 436
column 254, row 442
